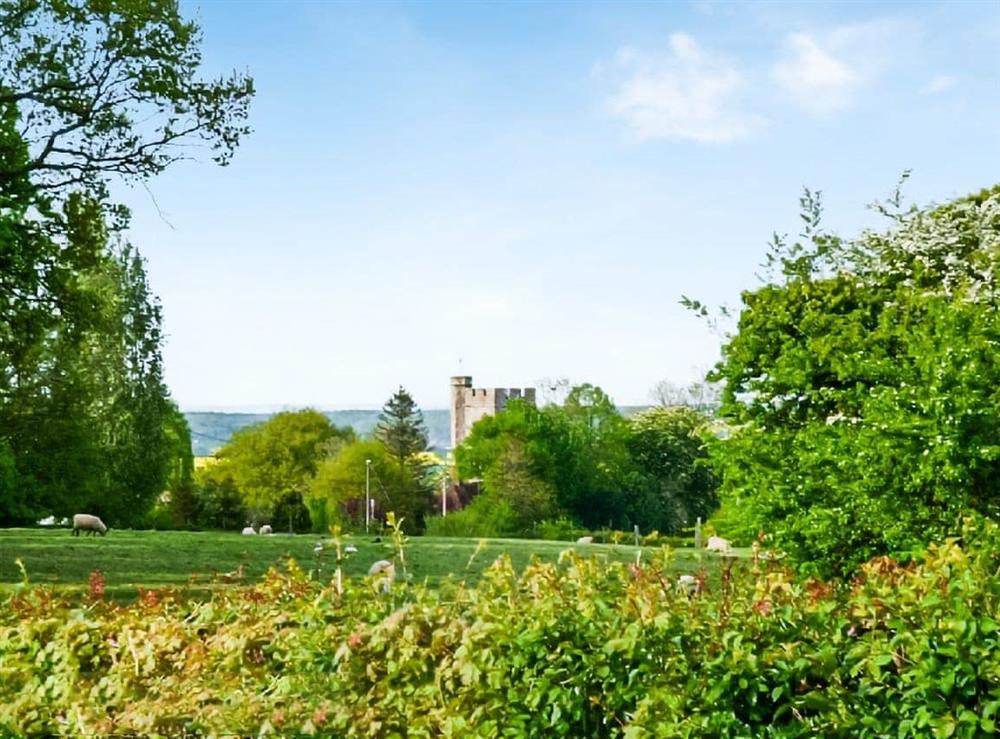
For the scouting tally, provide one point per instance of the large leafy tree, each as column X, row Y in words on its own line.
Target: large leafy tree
column 180, row 485
column 510, row 481
column 90, row 90
column 110, row 88
column 337, row 492
column 541, row 438
column 604, row 487
column 580, row 451
column 272, row 463
column 671, row 446
column 861, row 386
column 83, row 404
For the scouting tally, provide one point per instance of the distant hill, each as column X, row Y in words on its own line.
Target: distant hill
column 210, row 430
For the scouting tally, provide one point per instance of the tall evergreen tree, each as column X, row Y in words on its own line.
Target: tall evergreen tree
column 401, row 427
column 403, row 434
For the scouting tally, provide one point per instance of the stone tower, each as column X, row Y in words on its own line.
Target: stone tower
column 469, row 404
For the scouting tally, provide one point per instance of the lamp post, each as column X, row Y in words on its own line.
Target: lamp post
column 368, row 508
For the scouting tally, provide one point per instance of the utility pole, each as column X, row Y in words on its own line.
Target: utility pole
column 368, row 507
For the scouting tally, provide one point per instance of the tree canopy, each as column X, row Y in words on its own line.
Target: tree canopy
column 105, row 88
column 671, row 445
column 401, row 428
column 83, row 405
column 273, row 460
column 860, row 385
column 584, row 460
column 91, row 90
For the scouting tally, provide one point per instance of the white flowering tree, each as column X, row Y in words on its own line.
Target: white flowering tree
column 863, row 385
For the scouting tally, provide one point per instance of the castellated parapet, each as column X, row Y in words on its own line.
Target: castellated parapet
column 469, row 404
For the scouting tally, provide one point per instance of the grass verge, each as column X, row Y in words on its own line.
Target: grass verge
column 199, row 562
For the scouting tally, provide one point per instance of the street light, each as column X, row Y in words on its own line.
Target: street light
column 368, row 508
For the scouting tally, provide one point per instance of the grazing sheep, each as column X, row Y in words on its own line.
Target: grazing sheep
column 585, row 540
column 718, row 544
column 386, row 572
column 90, row 524
column 265, row 530
column 351, row 549
column 249, row 531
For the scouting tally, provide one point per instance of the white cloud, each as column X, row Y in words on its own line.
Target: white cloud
column 939, row 83
column 816, row 79
column 688, row 95
column 824, row 73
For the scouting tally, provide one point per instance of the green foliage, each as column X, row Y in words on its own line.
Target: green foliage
column 485, row 516
column 509, row 483
column 337, row 492
column 727, row 522
column 12, row 505
column 670, row 444
column 560, row 529
column 90, row 90
column 600, row 467
column 579, row 648
column 160, row 518
column 402, row 432
column 271, row 462
column 110, row 89
column 218, row 502
column 401, row 429
column 861, row 387
column 82, row 404
column 182, row 503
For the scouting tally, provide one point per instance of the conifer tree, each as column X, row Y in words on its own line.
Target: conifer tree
column 401, row 427
column 403, row 434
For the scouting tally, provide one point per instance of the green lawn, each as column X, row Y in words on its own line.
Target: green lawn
column 195, row 560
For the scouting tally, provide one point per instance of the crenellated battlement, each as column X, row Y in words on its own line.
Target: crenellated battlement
column 469, row 404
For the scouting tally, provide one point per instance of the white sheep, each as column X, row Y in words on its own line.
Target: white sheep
column 249, row 531
column 90, row 524
column 351, row 549
column 385, row 572
column 585, row 540
column 265, row 530
column 718, row 544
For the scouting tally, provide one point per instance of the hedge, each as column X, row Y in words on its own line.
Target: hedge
column 581, row 648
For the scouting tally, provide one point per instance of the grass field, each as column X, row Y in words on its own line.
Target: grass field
column 196, row 561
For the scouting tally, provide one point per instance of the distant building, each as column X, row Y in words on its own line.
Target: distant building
column 469, row 404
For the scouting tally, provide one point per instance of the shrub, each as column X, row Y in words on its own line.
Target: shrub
column 484, row 517
column 161, row 518
column 860, row 386
column 559, row 529
column 582, row 648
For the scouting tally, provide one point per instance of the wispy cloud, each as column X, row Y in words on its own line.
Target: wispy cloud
column 939, row 83
column 687, row 95
column 824, row 72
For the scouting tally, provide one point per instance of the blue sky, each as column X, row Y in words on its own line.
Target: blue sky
column 524, row 190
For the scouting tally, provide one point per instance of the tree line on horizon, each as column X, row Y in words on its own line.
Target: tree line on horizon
column 555, row 469
column 300, row 472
